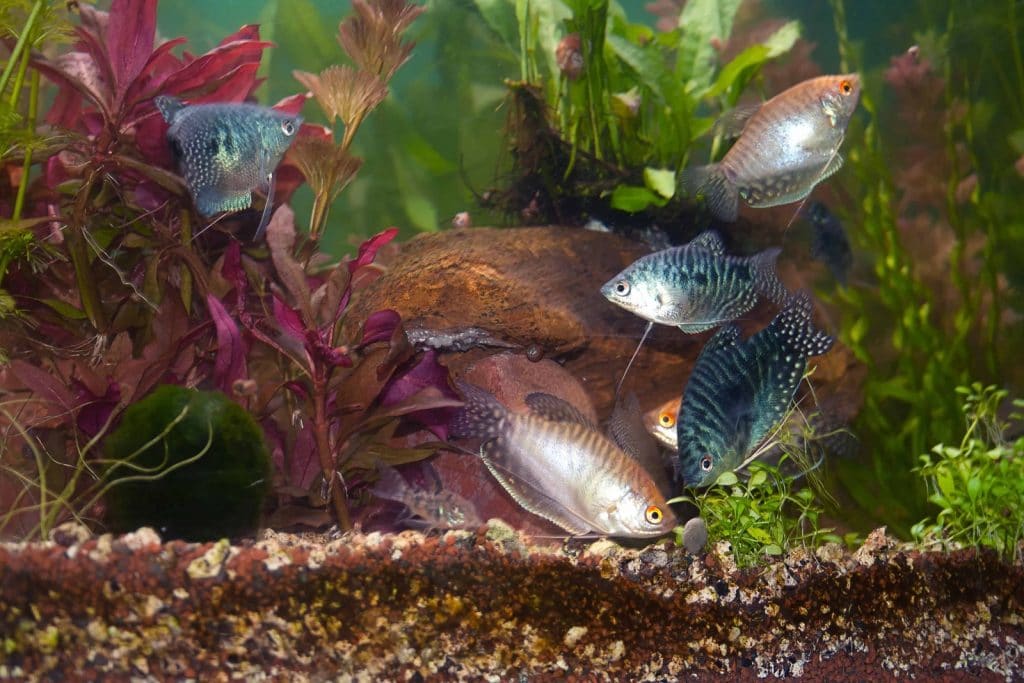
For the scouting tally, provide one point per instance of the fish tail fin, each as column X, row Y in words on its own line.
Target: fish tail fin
column 168, row 106
column 794, row 325
column 721, row 195
column 482, row 415
column 766, row 278
column 390, row 484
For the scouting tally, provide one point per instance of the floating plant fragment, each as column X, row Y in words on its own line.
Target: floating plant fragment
column 556, row 464
column 786, row 146
column 739, row 390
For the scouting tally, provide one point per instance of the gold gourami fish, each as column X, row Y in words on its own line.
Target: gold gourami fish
column 661, row 423
column 557, row 465
column 786, row 146
column 438, row 509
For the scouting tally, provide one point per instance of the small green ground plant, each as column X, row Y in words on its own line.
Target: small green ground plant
column 978, row 484
column 764, row 515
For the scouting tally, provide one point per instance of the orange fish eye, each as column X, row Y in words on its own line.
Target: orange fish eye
column 653, row 515
column 666, row 420
column 845, row 86
column 705, row 463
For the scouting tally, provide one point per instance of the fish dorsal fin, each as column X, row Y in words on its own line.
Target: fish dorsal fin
column 766, row 278
column 626, row 429
column 709, row 240
column 731, row 123
column 529, row 494
column 168, row 107
column 723, row 339
column 555, row 409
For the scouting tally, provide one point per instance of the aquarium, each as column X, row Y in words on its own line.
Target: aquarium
column 511, row 338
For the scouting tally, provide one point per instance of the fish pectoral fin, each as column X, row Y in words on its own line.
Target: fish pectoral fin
column 210, row 200
column 268, row 207
column 731, row 123
column 555, row 409
column 531, row 497
column 834, row 165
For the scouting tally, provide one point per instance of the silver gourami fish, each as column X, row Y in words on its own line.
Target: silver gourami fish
column 786, row 146
column 696, row 286
column 227, row 150
column 740, row 390
column 558, row 466
column 661, row 423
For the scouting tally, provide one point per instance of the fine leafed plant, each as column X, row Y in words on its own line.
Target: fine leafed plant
column 372, row 39
column 978, row 484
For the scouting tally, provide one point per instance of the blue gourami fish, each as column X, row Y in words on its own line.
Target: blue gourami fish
column 557, row 465
column 829, row 243
column 739, row 390
column 696, row 286
column 786, row 146
column 227, row 150
column 438, row 509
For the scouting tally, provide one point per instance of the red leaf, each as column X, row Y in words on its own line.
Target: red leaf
column 380, row 326
column 229, row 365
column 215, row 65
column 368, row 249
column 129, row 37
column 247, row 32
column 292, row 104
column 289, row 322
column 424, row 375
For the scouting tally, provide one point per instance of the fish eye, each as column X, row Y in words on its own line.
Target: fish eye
column 845, row 87
column 666, row 420
column 653, row 514
column 288, row 127
column 622, row 287
column 705, row 463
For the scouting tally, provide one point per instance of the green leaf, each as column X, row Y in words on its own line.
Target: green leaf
column 757, row 479
column 1016, row 139
column 65, row 310
column 303, row 33
column 661, row 180
column 631, row 198
column 772, row 549
column 726, row 479
column 700, row 22
column 648, row 63
column 500, row 16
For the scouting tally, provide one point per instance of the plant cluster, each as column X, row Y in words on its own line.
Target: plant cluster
column 764, row 515
column 978, row 484
column 111, row 287
column 941, row 226
column 607, row 111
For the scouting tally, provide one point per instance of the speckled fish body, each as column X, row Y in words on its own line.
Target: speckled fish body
column 226, row 150
column 696, row 286
column 559, row 467
column 829, row 243
column 435, row 509
column 740, row 390
column 789, row 145
column 661, row 423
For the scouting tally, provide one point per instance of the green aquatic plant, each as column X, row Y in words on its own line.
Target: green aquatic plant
column 764, row 515
column 978, row 484
column 607, row 111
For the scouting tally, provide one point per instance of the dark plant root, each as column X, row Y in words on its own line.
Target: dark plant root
column 549, row 184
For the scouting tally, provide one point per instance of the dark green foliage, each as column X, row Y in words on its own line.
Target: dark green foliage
column 192, row 464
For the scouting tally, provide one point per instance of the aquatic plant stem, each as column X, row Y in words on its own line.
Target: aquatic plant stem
column 33, row 108
column 321, row 429
column 84, row 279
column 21, row 46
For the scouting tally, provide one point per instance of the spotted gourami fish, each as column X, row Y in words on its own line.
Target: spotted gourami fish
column 557, row 465
column 696, row 286
column 227, row 150
column 739, row 390
column 786, row 146
column 829, row 243
column 438, row 509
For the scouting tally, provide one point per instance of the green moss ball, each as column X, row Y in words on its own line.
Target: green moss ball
column 218, row 495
